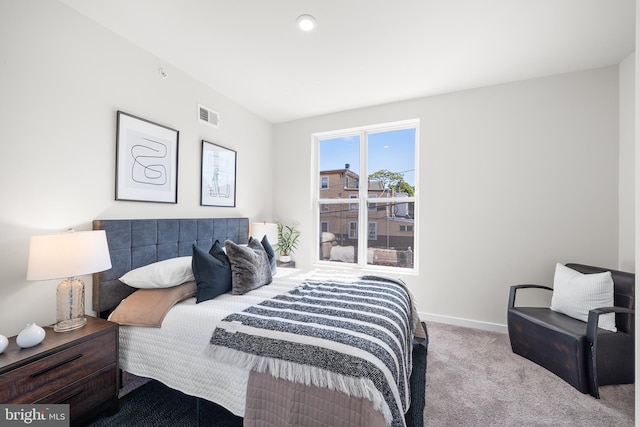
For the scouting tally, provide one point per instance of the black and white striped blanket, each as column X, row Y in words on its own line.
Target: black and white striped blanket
column 352, row 337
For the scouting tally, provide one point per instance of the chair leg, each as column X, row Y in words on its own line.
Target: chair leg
column 593, row 373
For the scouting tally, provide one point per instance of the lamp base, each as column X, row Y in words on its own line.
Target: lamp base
column 70, row 325
column 70, row 305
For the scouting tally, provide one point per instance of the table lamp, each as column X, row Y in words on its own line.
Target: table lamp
column 64, row 256
column 261, row 229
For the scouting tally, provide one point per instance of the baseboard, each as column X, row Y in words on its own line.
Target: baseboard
column 468, row 323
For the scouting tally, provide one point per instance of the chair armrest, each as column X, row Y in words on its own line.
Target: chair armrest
column 514, row 288
column 594, row 318
column 592, row 342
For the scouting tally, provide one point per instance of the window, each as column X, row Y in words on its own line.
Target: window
column 377, row 165
column 353, row 206
column 373, row 206
column 324, row 182
column 373, row 230
column 353, row 229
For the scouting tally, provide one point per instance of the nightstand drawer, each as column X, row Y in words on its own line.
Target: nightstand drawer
column 41, row 378
column 87, row 393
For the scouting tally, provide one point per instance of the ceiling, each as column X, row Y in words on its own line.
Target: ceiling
column 367, row 52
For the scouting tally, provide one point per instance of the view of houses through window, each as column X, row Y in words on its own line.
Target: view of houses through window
column 366, row 195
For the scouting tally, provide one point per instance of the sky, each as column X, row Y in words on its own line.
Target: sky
column 392, row 150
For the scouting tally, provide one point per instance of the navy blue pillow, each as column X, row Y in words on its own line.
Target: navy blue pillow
column 271, row 254
column 217, row 251
column 212, row 272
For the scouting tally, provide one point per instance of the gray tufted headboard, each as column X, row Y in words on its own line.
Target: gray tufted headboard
column 137, row 242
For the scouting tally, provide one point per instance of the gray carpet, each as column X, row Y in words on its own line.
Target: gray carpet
column 474, row 379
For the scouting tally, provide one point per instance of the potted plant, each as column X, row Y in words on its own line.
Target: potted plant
column 287, row 241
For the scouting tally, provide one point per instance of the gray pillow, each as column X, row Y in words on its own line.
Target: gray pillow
column 250, row 267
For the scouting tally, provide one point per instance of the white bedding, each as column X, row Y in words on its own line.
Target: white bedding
column 176, row 353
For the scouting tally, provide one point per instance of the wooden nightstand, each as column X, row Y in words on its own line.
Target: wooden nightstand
column 290, row 264
column 79, row 368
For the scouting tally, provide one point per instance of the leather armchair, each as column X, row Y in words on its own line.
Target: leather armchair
column 580, row 353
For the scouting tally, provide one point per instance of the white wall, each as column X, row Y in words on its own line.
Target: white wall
column 62, row 79
column 513, row 178
column 626, row 189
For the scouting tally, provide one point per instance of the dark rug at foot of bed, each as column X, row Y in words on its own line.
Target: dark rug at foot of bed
column 155, row 404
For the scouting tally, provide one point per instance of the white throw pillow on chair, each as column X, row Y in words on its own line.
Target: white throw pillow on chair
column 575, row 293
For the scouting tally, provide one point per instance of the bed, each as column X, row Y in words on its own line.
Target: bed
column 181, row 350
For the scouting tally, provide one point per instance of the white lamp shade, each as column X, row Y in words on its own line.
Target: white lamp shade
column 70, row 254
column 261, row 229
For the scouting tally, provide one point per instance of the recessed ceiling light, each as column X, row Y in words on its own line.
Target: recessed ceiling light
column 306, row 22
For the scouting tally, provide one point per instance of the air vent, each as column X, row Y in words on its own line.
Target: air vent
column 208, row 116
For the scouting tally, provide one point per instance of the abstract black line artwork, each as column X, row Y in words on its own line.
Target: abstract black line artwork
column 147, row 168
column 146, row 160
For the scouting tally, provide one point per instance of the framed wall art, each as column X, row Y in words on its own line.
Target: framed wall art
column 146, row 161
column 218, row 183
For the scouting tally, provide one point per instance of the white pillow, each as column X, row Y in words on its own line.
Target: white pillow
column 574, row 294
column 161, row 274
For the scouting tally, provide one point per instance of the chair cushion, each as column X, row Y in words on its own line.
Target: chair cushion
column 575, row 293
column 550, row 319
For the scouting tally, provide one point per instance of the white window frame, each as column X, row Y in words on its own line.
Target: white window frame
column 363, row 195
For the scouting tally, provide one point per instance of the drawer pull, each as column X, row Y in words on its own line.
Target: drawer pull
column 71, row 396
column 57, row 365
